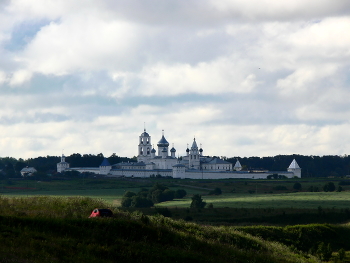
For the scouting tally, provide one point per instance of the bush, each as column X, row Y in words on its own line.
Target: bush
column 197, row 202
column 180, row 193
column 126, row 202
column 329, row 187
column 341, row 254
column 324, row 252
column 216, row 191
column 138, row 201
column 129, row 194
column 297, row 186
column 164, row 211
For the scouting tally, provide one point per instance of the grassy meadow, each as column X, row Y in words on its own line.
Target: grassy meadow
column 46, row 221
column 236, row 194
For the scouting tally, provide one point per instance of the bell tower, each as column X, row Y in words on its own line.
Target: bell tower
column 144, row 147
column 194, row 161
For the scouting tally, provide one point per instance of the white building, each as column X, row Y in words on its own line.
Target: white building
column 28, row 171
column 194, row 165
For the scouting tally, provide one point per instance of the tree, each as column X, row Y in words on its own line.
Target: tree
column 297, row 186
column 324, row 252
column 168, row 195
column 137, row 201
column 197, row 202
column 126, row 202
column 329, row 187
column 129, row 194
column 216, row 191
column 180, row 193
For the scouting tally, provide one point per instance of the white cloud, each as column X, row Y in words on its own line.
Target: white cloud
column 19, row 77
column 245, row 77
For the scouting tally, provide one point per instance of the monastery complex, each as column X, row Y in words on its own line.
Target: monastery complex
column 194, row 165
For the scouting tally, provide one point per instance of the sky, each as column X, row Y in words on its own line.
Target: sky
column 243, row 77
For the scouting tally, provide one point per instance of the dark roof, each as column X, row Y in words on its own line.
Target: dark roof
column 214, row 160
column 163, row 142
column 105, row 162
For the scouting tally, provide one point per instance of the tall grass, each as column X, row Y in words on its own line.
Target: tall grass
column 51, row 229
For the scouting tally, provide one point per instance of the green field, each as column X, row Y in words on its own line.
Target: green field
column 305, row 200
column 47, row 222
column 235, row 193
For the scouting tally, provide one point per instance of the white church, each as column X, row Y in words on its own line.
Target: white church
column 153, row 163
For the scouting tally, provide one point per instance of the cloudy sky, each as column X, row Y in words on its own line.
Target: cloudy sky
column 245, row 77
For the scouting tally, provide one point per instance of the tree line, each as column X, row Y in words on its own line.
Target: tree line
column 11, row 167
column 312, row 166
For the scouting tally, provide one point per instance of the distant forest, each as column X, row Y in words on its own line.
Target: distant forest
column 312, row 166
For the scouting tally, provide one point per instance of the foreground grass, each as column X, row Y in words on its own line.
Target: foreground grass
column 51, row 229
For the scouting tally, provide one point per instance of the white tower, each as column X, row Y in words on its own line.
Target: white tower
column 194, row 161
column 179, row 171
column 145, row 147
column 238, row 166
column 294, row 168
column 105, row 167
column 63, row 165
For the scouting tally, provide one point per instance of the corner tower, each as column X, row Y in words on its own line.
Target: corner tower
column 294, row 168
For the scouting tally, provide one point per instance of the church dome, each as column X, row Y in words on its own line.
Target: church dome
column 187, row 150
column 173, row 150
column 153, row 150
column 145, row 134
column 163, row 142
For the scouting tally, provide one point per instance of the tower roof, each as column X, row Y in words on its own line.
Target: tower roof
column 105, row 162
column 163, row 142
column 294, row 165
column 238, row 165
column 173, row 150
column 144, row 134
column 194, row 144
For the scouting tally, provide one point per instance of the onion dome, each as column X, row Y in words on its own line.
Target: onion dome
column 173, row 150
column 201, row 150
column 153, row 150
column 187, row 150
column 145, row 134
column 163, row 142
